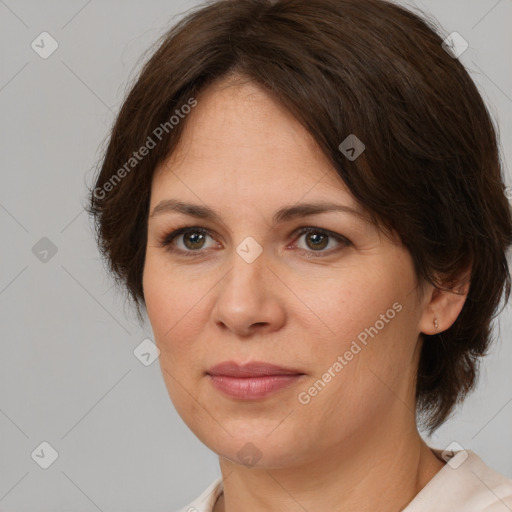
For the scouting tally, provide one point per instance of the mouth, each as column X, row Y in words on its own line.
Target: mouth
column 251, row 381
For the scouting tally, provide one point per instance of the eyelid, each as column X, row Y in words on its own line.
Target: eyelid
column 342, row 241
column 167, row 239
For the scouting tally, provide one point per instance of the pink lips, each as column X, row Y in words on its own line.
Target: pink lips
column 251, row 381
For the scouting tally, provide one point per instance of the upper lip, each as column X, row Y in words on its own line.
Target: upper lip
column 252, row 369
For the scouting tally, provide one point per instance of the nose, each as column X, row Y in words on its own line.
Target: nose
column 248, row 301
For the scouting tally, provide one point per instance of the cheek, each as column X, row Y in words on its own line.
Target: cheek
column 173, row 320
column 370, row 321
column 346, row 309
column 174, row 306
column 161, row 297
column 159, row 303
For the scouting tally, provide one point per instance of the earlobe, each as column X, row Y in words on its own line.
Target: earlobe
column 443, row 308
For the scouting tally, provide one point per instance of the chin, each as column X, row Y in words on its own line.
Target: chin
column 253, row 445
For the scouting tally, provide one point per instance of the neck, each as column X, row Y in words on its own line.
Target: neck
column 374, row 472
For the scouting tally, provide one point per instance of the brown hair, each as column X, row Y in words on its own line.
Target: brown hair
column 430, row 172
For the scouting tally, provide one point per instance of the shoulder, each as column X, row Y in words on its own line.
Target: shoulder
column 466, row 484
column 492, row 488
column 495, row 487
column 206, row 500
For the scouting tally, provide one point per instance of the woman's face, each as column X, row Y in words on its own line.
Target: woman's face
column 337, row 306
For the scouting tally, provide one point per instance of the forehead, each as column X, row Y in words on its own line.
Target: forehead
column 238, row 138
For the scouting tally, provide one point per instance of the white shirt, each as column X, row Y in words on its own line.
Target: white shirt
column 464, row 484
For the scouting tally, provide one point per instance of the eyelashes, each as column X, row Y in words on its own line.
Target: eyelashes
column 321, row 235
column 167, row 240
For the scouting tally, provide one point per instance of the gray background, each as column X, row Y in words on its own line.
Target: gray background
column 68, row 375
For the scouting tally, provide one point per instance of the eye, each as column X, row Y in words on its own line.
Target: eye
column 318, row 239
column 193, row 240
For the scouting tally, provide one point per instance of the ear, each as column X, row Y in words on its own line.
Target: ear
column 444, row 305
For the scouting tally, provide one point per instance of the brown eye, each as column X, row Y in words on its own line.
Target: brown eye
column 188, row 241
column 193, row 240
column 318, row 240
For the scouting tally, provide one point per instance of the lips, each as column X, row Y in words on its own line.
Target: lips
column 253, row 369
column 251, row 381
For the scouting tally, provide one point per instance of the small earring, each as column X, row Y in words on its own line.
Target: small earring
column 435, row 323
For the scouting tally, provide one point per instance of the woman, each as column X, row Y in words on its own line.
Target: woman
column 307, row 200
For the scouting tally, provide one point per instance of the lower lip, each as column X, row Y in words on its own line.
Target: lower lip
column 252, row 388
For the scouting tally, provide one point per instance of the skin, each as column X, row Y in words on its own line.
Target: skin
column 355, row 445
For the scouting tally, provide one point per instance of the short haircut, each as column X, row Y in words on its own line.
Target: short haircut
column 430, row 171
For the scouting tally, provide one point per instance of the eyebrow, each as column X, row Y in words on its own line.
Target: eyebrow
column 284, row 214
